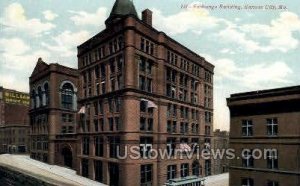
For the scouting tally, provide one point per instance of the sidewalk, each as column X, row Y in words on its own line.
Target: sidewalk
column 217, row 180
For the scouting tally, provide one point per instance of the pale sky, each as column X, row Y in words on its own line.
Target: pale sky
column 251, row 49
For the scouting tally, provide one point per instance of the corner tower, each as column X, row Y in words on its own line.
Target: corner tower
column 120, row 9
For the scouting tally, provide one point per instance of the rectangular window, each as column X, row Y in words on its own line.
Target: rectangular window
column 147, row 47
column 142, row 44
column 103, row 87
column 120, row 61
column 272, row 159
column 100, row 107
column 111, row 105
column 145, row 146
column 273, row 183
column 98, row 170
column 111, row 124
column 97, row 89
column 150, row 124
column 96, row 125
column 85, row 167
column 208, row 117
column 184, row 170
column 146, row 175
column 247, row 182
column 117, row 123
column 149, row 67
column 142, row 123
column 169, row 126
column 112, row 66
column 247, row 128
column 171, row 146
column 97, row 72
column 114, row 145
column 207, row 130
column 103, row 70
column 143, row 106
column 145, row 84
column 247, row 159
column 142, row 83
column 142, row 64
column 174, row 127
column 207, row 167
column 171, row 174
column 98, row 146
column 151, row 49
column 272, row 126
column 112, row 84
column 85, row 145
column 101, row 124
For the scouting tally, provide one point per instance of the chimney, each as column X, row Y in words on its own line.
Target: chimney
column 147, row 17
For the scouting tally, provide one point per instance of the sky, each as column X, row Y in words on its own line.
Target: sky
column 252, row 49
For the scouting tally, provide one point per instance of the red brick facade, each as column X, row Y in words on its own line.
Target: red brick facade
column 122, row 66
column 14, row 123
column 52, row 113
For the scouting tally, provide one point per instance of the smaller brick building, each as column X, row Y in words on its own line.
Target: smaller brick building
column 14, row 124
column 220, row 143
column 52, row 113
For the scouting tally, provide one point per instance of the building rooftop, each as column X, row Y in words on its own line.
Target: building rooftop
column 49, row 173
column 120, row 9
column 266, row 93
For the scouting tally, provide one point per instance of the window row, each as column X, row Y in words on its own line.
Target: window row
column 39, row 143
column 271, row 159
column 185, row 112
column 114, row 124
column 185, row 128
column 250, row 182
column 186, row 65
column 100, row 52
column 147, row 46
column 271, row 127
column 113, row 143
column 41, row 96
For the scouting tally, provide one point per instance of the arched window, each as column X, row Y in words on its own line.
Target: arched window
column 67, row 94
column 40, row 96
column 46, row 89
column 196, row 168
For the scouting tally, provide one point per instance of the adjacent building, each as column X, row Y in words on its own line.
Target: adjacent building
column 139, row 87
column 14, row 123
column 53, row 112
column 266, row 121
column 220, row 143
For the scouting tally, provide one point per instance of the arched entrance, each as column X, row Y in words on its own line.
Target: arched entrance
column 67, row 156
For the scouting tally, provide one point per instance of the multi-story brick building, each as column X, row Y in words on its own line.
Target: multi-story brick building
column 220, row 142
column 14, row 123
column 139, row 87
column 266, row 121
column 52, row 114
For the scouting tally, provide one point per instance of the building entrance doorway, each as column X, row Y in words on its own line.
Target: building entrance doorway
column 67, row 156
